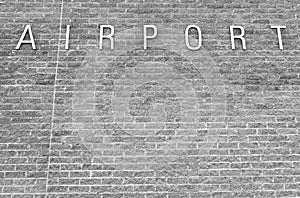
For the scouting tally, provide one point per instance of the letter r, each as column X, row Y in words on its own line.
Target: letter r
column 109, row 36
column 241, row 36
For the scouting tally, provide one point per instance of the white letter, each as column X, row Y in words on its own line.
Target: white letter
column 31, row 41
column 109, row 36
column 150, row 37
column 187, row 37
column 67, row 37
column 238, row 36
column 279, row 34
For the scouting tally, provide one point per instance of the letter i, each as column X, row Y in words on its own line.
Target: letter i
column 67, row 37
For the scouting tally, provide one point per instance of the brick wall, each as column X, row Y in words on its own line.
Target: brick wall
column 163, row 122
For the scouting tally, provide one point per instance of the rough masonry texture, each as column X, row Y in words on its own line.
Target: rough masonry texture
column 166, row 122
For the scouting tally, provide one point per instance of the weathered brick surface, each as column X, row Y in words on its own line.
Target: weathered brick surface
column 26, row 89
column 163, row 122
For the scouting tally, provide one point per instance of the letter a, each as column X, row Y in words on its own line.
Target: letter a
column 22, row 41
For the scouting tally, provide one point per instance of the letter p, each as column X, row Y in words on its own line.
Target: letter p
column 149, row 36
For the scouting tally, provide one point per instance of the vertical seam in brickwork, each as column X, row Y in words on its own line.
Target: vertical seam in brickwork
column 54, row 91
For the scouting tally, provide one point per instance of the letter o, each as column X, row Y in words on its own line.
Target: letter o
column 186, row 36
